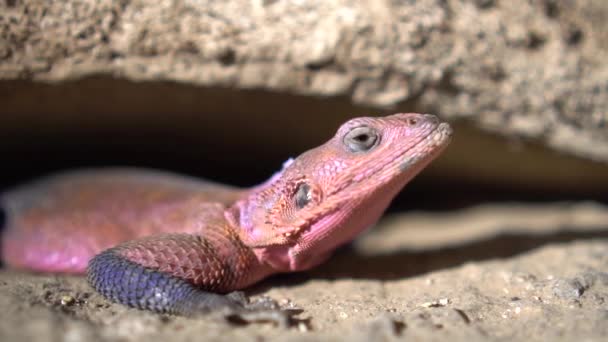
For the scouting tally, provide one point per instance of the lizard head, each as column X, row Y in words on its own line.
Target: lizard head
column 329, row 194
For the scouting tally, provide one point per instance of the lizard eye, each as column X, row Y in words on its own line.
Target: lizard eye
column 303, row 195
column 361, row 139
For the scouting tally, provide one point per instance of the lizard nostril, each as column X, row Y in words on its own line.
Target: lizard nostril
column 411, row 121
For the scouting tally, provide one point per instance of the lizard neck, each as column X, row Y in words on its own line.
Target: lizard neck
column 241, row 216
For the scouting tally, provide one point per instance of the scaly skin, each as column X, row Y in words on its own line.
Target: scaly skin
column 165, row 243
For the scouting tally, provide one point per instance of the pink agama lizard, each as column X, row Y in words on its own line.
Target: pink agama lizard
column 167, row 243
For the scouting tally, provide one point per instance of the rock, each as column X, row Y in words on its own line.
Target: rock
column 532, row 70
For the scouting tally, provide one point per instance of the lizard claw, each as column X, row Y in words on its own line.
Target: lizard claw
column 238, row 297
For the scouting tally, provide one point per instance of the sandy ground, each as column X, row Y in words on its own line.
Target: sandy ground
column 507, row 272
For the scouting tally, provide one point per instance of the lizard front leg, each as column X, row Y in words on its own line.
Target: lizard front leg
column 181, row 274
column 132, row 284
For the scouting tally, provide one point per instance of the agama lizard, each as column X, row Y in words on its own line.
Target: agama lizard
column 167, row 243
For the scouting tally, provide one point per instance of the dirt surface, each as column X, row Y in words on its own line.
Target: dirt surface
column 499, row 272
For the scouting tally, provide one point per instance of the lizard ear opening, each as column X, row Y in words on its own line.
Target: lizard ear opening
column 303, row 195
column 361, row 139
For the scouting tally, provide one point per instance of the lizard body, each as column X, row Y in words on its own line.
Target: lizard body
column 168, row 243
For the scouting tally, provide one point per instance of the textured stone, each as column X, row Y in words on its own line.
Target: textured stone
column 525, row 69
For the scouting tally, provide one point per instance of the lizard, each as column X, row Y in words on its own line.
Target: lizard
column 172, row 244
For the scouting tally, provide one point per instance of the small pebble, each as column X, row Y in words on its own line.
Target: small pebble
column 67, row 300
column 568, row 288
column 436, row 303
